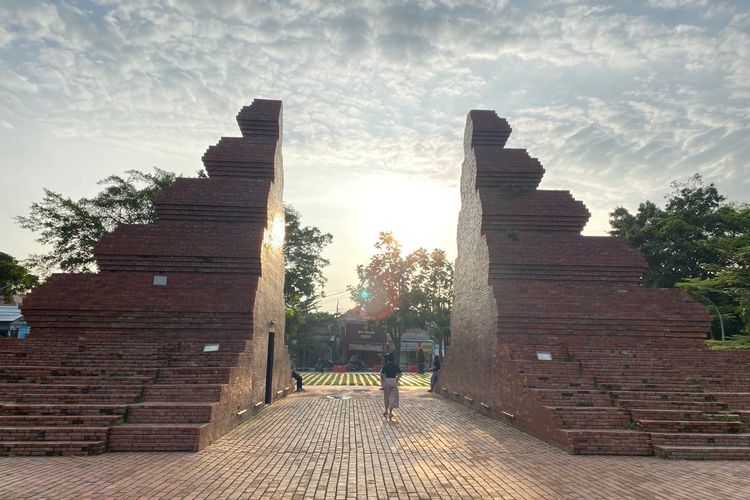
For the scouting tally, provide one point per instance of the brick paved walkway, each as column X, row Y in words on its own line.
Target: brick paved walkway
column 311, row 446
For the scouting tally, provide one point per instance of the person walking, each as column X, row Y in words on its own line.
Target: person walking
column 389, row 375
column 435, row 372
column 295, row 375
column 420, row 359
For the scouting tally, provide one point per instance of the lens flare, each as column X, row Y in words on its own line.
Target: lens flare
column 274, row 235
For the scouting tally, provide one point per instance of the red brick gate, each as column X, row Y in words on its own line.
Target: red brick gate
column 553, row 333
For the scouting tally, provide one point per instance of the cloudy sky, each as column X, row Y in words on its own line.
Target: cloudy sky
column 616, row 98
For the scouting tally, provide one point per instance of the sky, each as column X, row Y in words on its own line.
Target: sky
column 617, row 99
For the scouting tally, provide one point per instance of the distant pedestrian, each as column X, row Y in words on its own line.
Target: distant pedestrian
column 420, row 359
column 435, row 372
column 389, row 375
column 296, row 375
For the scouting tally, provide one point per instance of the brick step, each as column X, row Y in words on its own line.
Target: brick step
column 657, row 404
column 187, row 413
column 550, row 367
column 697, row 426
column 641, row 379
column 66, row 398
column 20, row 388
column 739, row 400
column 703, row 452
column 574, row 386
column 663, row 396
column 97, row 380
column 545, row 380
column 179, row 392
column 194, row 375
column 667, row 414
column 18, row 372
column 53, row 433
column 624, row 386
column 61, row 409
column 618, row 367
column 157, row 437
column 700, row 439
column 607, row 442
column 61, row 420
column 51, row 448
column 591, row 417
column 565, row 397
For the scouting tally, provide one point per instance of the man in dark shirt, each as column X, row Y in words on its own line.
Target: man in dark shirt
column 435, row 372
column 296, row 375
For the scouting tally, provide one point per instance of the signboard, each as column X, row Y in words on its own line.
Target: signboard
column 413, row 346
column 364, row 346
column 544, row 356
column 23, row 330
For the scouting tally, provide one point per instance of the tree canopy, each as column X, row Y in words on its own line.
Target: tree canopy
column 303, row 255
column 71, row 228
column 14, row 278
column 402, row 292
column 698, row 241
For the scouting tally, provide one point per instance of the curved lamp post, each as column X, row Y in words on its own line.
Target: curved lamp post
column 721, row 319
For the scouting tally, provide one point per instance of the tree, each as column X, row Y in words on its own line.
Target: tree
column 697, row 240
column 14, row 278
column 304, row 262
column 307, row 334
column 403, row 292
column 729, row 288
column 72, row 228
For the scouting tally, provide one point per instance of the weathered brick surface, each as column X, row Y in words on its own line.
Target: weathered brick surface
column 122, row 353
column 626, row 362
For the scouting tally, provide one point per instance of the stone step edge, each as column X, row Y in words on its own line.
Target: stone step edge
column 711, row 452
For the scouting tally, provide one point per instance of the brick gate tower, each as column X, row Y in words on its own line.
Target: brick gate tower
column 552, row 332
column 180, row 335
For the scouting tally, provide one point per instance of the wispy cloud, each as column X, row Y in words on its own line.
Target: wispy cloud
column 616, row 100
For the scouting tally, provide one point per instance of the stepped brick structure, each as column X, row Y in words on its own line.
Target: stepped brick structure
column 553, row 333
column 180, row 336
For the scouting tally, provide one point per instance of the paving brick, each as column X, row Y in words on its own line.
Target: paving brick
column 310, row 446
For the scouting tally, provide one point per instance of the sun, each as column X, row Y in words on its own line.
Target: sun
column 418, row 213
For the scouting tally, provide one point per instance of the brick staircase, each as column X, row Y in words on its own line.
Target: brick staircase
column 167, row 346
column 638, row 400
column 89, row 396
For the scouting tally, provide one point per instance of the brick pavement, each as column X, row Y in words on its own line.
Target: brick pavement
column 312, row 446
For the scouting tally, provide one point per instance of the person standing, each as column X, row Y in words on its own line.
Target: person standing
column 435, row 372
column 295, row 375
column 420, row 359
column 389, row 375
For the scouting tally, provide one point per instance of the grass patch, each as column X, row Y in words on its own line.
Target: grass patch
column 738, row 342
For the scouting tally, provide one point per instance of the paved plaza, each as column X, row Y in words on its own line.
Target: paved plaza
column 333, row 443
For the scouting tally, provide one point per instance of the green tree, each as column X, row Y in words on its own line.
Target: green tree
column 14, row 278
column 307, row 334
column 698, row 240
column 728, row 290
column 401, row 292
column 72, row 228
column 303, row 254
